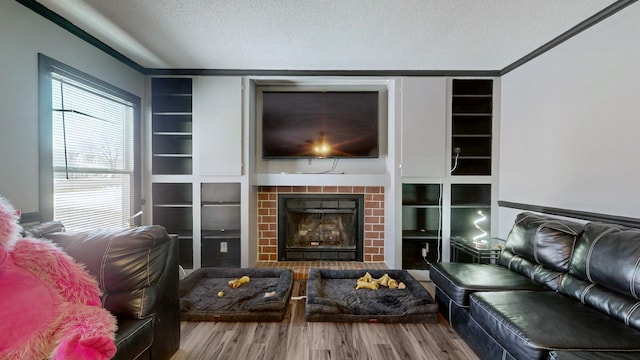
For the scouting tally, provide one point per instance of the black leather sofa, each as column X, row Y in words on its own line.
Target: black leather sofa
column 560, row 290
column 137, row 270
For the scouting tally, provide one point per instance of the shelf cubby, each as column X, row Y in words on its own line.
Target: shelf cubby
column 221, row 217
column 471, row 126
column 421, row 227
column 171, row 143
column 470, row 203
column 173, row 209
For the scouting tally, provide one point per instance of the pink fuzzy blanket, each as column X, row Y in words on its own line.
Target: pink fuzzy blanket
column 51, row 306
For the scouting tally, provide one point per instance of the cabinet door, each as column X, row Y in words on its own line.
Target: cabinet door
column 424, row 115
column 217, row 111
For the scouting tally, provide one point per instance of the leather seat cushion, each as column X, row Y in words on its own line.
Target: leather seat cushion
column 459, row 280
column 528, row 324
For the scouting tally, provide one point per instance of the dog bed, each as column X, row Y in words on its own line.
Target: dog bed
column 264, row 298
column 332, row 296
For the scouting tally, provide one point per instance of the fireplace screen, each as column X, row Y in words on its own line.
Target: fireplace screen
column 320, row 227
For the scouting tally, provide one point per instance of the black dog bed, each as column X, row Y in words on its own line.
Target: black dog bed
column 332, row 296
column 264, row 298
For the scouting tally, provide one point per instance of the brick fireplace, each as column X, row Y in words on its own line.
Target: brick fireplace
column 373, row 239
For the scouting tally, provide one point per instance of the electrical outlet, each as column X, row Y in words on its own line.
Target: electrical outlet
column 425, row 250
column 224, row 247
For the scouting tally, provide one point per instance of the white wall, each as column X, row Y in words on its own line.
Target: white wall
column 571, row 124
column 24, row 34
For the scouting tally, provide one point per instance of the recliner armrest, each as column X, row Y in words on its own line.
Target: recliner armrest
column 128, row 264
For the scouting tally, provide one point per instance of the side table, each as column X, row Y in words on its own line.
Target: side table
column 484, row 252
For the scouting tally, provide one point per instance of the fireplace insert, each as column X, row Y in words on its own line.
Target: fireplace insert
column 320, row 227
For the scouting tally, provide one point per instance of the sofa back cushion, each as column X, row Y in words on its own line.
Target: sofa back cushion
column 127, row 264
column 540, row 247
column 605, row 271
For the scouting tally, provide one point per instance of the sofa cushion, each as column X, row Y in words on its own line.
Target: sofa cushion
column 543, row 240
column 459, row 280
column 127, row 264
column 532, row 270
column 609, row 255
column 528, row 324
column 605, row 272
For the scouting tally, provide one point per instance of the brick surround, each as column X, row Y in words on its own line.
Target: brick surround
column 373, row 217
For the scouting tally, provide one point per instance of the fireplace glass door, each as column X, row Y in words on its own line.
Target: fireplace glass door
column 320, row 227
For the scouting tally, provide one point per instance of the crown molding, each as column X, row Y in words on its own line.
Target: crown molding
column 284, row 72
column 67, row 25
column 582, row 26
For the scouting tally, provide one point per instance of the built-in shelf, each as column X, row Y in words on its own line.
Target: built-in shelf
column 220, row 234
column 419, row 234
column 470, row 210
column 171, row 111
column 173, row 155
column 471, row 125
column 166, row 133
column 219, row 203
column 173, row 205
column 173, row 209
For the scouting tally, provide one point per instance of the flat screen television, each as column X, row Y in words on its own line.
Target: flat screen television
column 320, row 124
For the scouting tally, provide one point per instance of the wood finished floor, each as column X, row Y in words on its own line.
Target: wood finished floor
column 296, row 339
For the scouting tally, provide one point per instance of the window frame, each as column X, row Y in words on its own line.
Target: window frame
column 46, row 66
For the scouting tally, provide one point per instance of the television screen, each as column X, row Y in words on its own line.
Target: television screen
column 333, row 124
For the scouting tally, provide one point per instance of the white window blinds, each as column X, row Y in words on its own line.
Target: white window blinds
column 93, row 152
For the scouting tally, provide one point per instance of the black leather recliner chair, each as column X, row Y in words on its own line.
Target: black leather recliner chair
column 137, row 270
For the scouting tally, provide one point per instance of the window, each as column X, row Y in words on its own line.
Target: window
column 89, row 168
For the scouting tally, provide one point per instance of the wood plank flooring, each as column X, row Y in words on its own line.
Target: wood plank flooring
column 296, row 339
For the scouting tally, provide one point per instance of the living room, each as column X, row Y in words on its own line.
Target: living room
column 565, row 121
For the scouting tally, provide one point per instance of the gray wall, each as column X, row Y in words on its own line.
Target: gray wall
column 570, row 124
column 24, row 34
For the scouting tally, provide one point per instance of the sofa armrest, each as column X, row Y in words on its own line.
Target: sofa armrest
column 167, row 315
column 128, row 265
column 43, row 229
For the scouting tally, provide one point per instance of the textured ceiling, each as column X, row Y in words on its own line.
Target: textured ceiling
column 326, row 34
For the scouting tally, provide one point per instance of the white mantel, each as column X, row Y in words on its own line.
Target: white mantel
column 288, row 179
